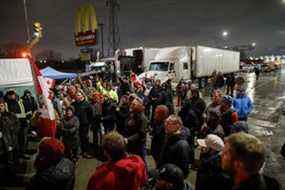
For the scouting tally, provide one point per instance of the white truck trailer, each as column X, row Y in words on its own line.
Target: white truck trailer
column 187, row 63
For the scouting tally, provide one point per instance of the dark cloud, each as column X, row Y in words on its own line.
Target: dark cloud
column 154, row 23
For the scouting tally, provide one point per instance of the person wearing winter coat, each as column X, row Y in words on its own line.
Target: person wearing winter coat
column 175, row 149
column 210, row 174
column 122, row 113
column 16, row 106
column 97, row 100
column 191, row 122
column 121, row 171
column 124, row 87
column 29, row 102
column 220, row 81
column 228, row 115
column 198, row 105
column 83, row 112
column 111, row 93
column 161, row 113
column 168, row 96
column 243, row 157
column 137, row 124
column 189, row 116
column 180, row 92
column 70, row 135
column 213, row 125
column 242, row 104
column 215, row 105
column 230, row 82
column 53, row 170
column 171, row 177
column 9, row 127
column 154, row 96
column 109, row 115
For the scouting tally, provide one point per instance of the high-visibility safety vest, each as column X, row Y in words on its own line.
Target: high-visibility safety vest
column 21, row 115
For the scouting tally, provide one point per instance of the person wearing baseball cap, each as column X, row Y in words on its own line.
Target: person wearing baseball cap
column 176, row 149
column 210, row 174
column 170, row 177
column 212, row 142
column 228, row 115
column 53, row 170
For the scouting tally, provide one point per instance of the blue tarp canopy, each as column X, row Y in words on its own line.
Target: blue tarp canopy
column 50, row 72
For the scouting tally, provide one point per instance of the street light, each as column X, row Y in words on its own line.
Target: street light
column 225, row 34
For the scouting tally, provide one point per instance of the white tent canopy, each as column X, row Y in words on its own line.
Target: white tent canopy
column 15, row 73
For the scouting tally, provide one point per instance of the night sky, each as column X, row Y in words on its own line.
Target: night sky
column 154, row 23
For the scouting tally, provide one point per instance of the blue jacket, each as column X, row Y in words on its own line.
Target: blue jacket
column 242, row 105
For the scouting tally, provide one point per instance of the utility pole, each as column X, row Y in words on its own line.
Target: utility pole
column 114, row 36
column 27, row 21
column 101, row 25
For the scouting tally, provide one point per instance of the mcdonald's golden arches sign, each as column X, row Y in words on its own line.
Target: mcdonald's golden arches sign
column 86, row 25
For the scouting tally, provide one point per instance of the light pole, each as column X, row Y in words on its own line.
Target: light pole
column 27, row 21
column 101, row 25
column 225, row 35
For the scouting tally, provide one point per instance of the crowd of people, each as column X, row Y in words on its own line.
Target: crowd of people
column 113, row 122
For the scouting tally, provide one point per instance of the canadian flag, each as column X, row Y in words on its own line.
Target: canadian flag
column 134, row 79
column 49, row 82
column 47, row 119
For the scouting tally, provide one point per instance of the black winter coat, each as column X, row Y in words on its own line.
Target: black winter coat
column 61, row 176
column 30, row 103
column 199, row 107
column 136, row 133
column 259, row 182
column 210, row 175
column 188, row 116
column 9, row 127
column 122, row 115
column 176, row 151
column 158, row 140
column 83, row 112
column 154, row 96
column 109, row 115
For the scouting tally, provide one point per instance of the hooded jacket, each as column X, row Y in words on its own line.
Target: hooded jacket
column 243, row 105
column 60, row 176
column 127, row 173
column 176, row 151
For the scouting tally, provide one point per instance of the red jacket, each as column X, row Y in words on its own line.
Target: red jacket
column 127, row 173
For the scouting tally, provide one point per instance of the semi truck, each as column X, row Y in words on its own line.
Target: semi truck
column 190, row 63
column 137, row 58
column 125, row 62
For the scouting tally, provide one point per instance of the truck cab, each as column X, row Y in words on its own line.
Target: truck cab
column 170, row 63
